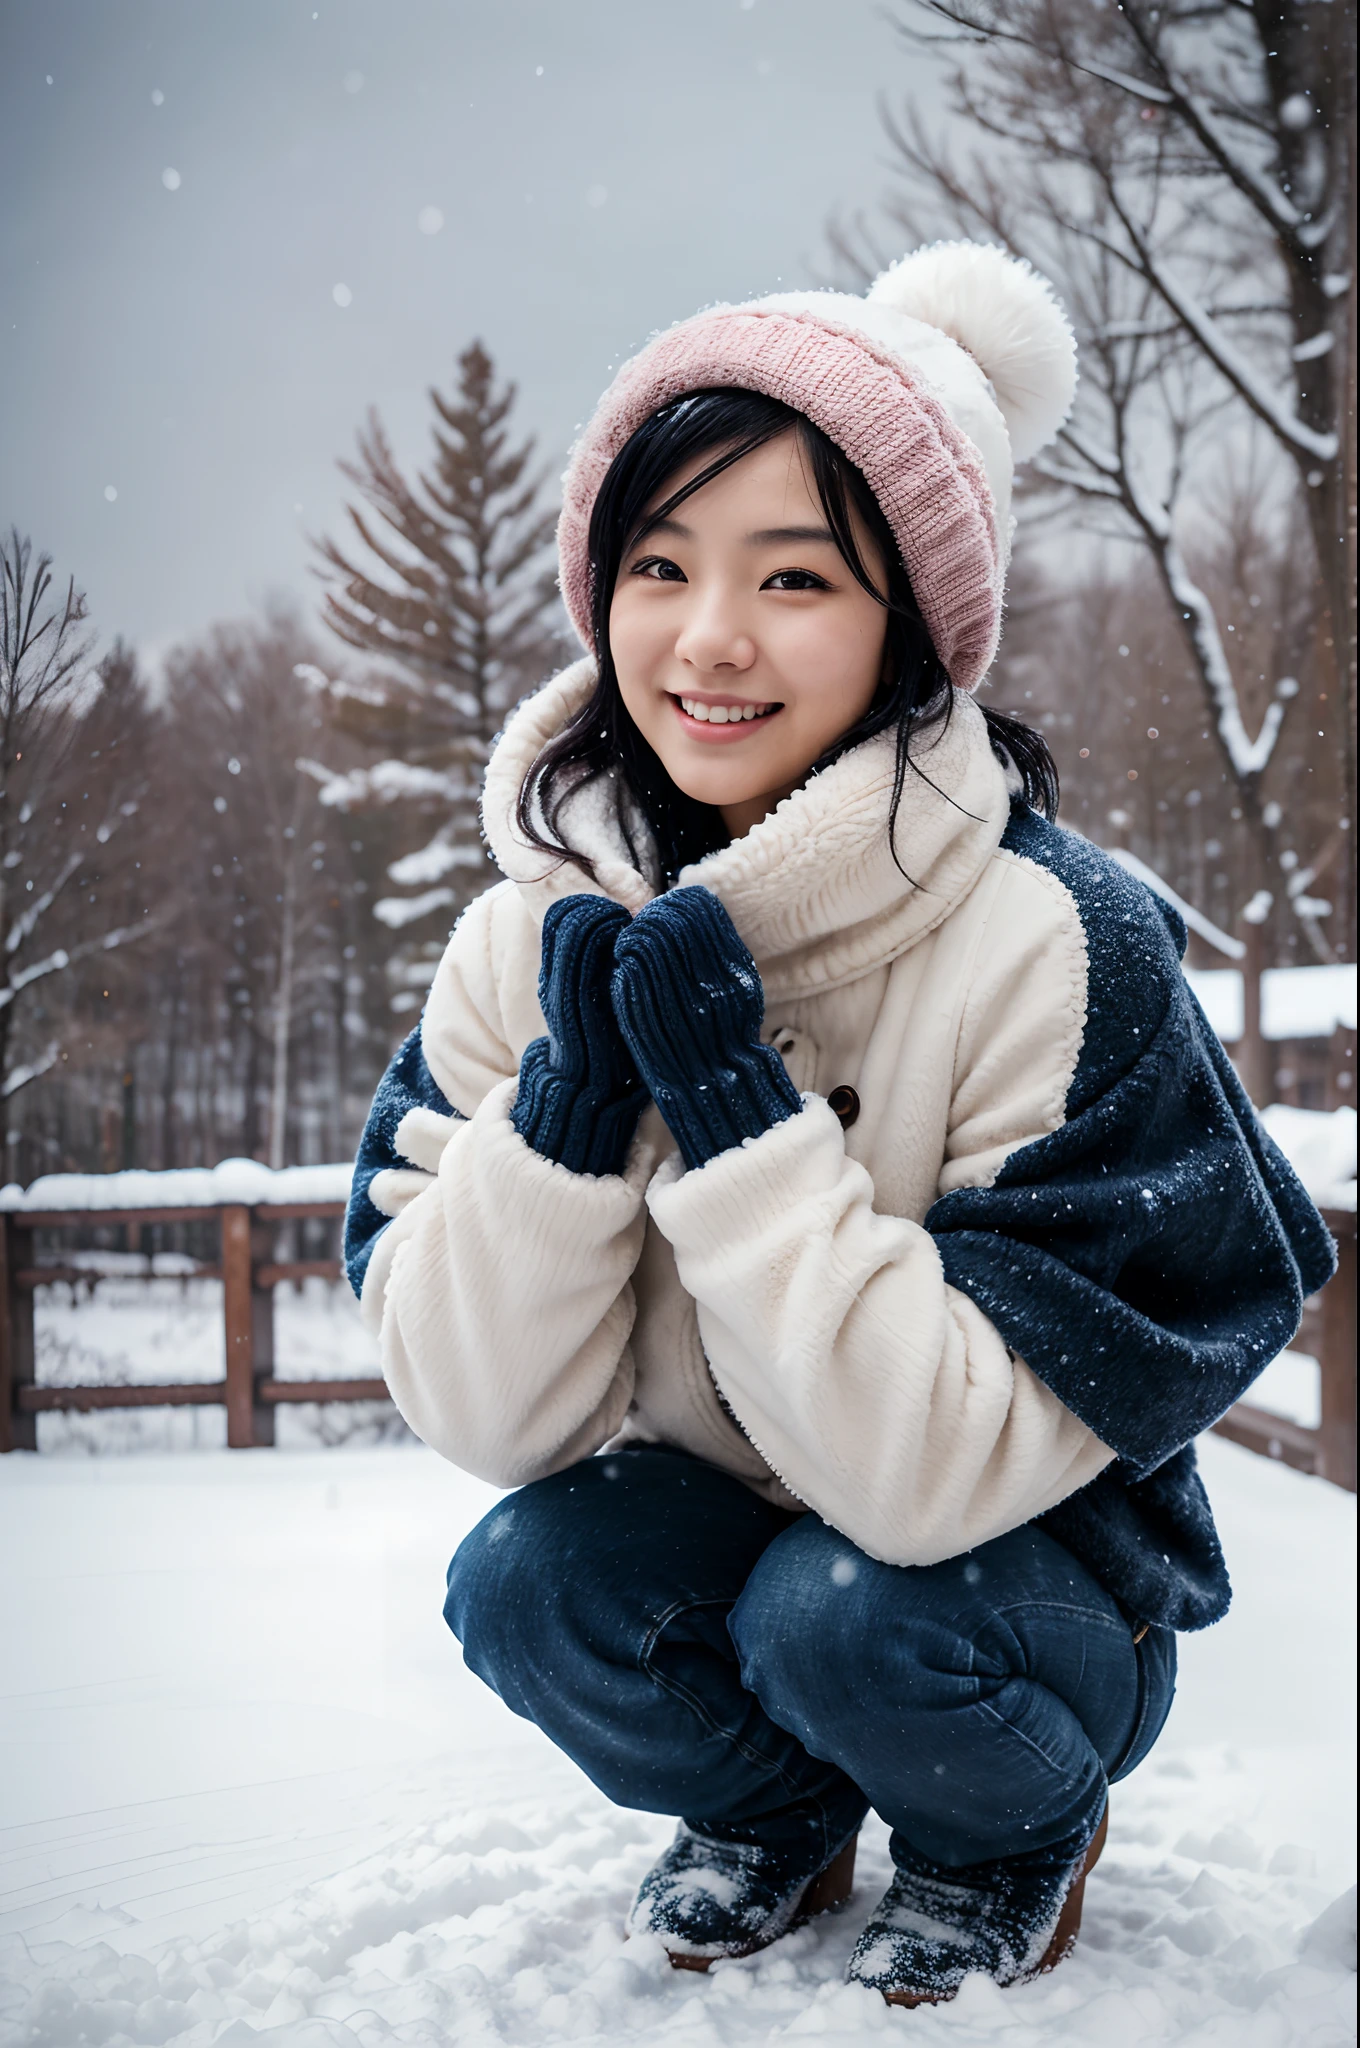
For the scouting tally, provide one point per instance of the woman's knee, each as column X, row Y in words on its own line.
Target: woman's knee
column 822, row 1630
column 493, row 1567
column 819, row 1614
column 525, row 1596
column 592, row 1559
column 524, row 1558
column 805, row 1617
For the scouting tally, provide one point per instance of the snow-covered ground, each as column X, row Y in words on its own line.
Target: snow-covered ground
column 251, row 1795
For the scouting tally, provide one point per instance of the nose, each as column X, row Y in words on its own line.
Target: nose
column 713, row 636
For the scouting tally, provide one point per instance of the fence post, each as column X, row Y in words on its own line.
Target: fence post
column 1336, row 1460
column 248, row 1312
column 17, row 1432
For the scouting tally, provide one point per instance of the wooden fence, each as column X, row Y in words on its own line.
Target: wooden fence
column 1328, row 1333
column 250, row 1270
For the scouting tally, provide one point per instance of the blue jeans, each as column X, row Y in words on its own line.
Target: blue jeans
column 700, row 1653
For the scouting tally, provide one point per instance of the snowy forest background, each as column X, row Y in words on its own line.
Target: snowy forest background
column 226, row 872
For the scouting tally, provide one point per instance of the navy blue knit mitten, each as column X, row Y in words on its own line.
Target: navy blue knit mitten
column 689, row 1003
column 579, row 1096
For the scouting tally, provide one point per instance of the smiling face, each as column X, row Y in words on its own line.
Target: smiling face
column 743, row 645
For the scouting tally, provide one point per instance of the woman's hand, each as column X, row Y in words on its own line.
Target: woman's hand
column 579, row 1096
column 689, row 1005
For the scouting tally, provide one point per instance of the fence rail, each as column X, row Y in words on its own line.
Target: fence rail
column 250, row 1270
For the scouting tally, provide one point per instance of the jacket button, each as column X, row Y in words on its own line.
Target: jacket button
column 844, row 1103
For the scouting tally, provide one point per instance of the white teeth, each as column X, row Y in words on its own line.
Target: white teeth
column 721, row 714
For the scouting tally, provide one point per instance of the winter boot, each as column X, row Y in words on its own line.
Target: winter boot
column 707, row 1899
column 1011, row 1919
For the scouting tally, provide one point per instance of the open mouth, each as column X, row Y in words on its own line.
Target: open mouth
column 704, row 713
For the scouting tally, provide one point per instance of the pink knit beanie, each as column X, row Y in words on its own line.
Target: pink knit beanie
column 957, row 364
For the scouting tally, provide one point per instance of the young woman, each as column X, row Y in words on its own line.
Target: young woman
column 844, row 1277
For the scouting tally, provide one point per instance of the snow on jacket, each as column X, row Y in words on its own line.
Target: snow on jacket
column 1053, row 1246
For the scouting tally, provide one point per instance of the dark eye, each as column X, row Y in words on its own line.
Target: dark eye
column 794, row 579
column 659, row 567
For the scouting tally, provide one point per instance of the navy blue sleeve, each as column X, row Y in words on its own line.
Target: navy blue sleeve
column 1148, row 1259
column 407, row 1084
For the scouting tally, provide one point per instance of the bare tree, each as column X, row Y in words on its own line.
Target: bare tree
column 252, row 1014
column 1095, row 657
column 72, row 774
column 1218, row 137
column 1129, row 153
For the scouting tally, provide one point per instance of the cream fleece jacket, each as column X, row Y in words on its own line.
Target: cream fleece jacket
column 779, row 1311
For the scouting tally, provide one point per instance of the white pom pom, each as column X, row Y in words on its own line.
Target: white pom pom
column 1009, row 320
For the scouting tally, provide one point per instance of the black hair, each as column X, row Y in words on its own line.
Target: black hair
column 914, row 697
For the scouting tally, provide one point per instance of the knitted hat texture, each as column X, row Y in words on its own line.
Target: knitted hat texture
column 956, row 364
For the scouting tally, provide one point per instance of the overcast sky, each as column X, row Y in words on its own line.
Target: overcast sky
column 191, row 185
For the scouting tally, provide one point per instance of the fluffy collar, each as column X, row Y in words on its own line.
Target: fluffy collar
column 813, row 889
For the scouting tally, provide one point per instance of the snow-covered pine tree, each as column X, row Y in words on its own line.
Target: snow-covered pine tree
column 453, row 599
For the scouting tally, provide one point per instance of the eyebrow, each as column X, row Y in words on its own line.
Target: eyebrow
column 768, row 536
column 781, row 536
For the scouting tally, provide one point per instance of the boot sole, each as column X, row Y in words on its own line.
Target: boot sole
column 1064, row 1934
column 827, row 1892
